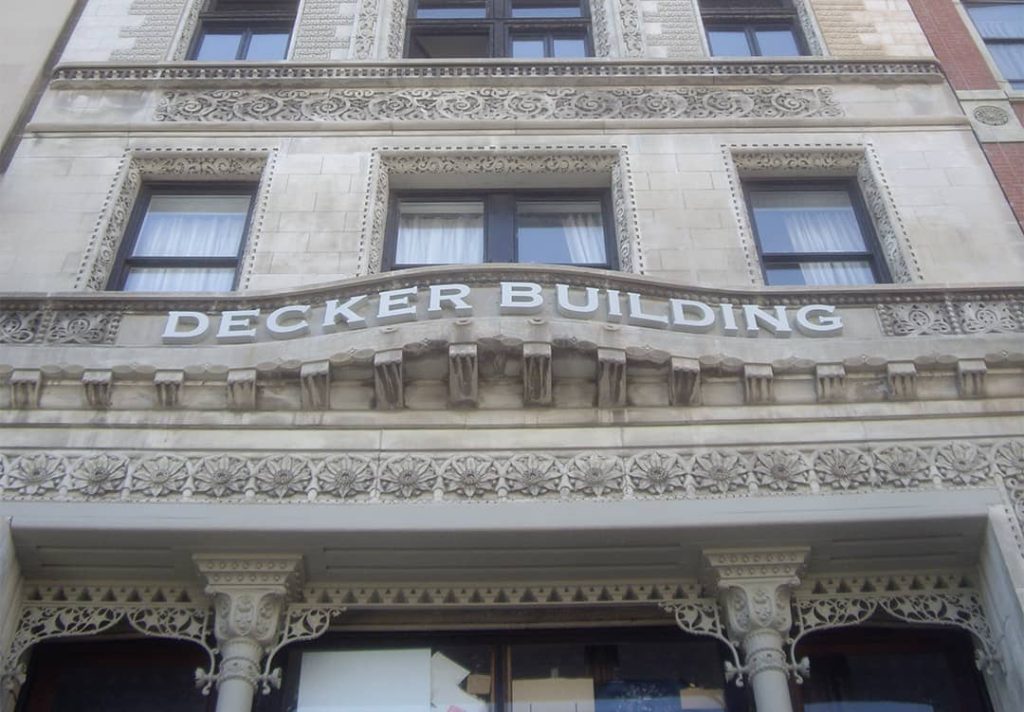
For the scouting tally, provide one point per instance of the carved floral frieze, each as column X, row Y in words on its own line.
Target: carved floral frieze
column 488, row 476
column 495, row 104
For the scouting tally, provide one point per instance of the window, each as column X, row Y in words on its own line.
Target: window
column 252, row 30
column 625, row 670
column 752, row 28
column 470, row 228
column 524, row 29
column 814, row 234
column 184, row 238
column 1001, row 25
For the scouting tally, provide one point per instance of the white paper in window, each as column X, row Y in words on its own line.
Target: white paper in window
column 365, row 681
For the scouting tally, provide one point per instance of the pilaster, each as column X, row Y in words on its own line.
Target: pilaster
column 755, row 586
column 250, row 594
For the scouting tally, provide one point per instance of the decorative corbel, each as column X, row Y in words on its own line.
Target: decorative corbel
column 241, row 387
column 537, row 373
column 684, row 381
column 757, row 383
column 315, row 381
column 611, row 378
column 168, row 387
column 970, row 377
column 26, row 386
column 463, row 375
column 389, row 379
column 901, row 377
column 830, row 382
column 98, row 385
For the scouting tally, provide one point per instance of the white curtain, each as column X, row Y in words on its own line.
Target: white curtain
column 190, row 235
column 820, row 274
column 180, row 279
column 584, row 236
column 439, row 239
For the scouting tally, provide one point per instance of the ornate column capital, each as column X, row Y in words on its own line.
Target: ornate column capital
column 250, row 595
column 755, row 586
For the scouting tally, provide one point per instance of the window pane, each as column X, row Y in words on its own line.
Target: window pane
column 192, row 226
column 268, row 46
column 806, row 221
column 998, row 20
column 545, row 8
column 624, row 676
column 214, row 47
column 570, row 47
column 527, row 48
column 180, row 279
column 440, row 233
column 428, row 45
column 728, row 43
column 777, row 43
column 1010, row 59
column 399, row 680
column 450, row 10
column 560, row 233
column 820, row 273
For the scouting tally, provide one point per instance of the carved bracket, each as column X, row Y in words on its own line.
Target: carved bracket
column 168, row 387
column 922, row 600
column 611, row 378
column 902, row 380
column 241, row 388
column 970, row 377
column 389, row 379
column 315, row 378
column 463, row 374
column 98, row 386
column 684, row 381
column 536, row 374
column 830, row 382
column 757, row 383
column 26, row 385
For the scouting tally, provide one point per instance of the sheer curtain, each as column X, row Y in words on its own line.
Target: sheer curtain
column 426, row 236
column 188, row 226
column 584, row 236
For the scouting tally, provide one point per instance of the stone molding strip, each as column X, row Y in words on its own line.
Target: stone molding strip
column 371, row 477
column 494, row 104
column 954, row 310
column 186, row 74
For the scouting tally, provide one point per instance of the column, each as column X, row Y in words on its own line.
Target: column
column 250, row 593
column 10, row 600
column 755, row 586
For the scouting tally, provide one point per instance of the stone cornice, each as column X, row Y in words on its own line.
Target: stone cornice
column 485, row 274
column 594, row 71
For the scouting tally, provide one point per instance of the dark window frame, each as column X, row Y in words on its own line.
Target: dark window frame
column 1016, row 83
column 499, row 221
column 125, row 260
column 738, row 698
column 873, row 254
column 245, row 20
column 752, row 18
column 501, row 27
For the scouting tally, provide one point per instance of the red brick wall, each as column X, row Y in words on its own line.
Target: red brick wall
column 1007, row 161
column 1019, row 108
column 953, row 44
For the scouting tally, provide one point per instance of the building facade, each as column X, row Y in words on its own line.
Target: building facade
column 513, row 355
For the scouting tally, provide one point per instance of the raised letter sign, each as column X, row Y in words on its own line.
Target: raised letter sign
column 819, row 320
column 334, row 309
column 293, row 313
column 236, row 326
column 395, row 305
column 454, row 294
column 172, row 333
column 521, row 297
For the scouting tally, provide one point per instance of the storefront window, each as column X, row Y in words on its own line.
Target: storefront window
column 657, row 670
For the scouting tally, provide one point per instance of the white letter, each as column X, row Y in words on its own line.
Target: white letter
column 454, row 294
column 704, row 323
column 521, row 297
column 235, row 326
column 614, row 305
column 816, row 320
column 173, row 336
column 567, row 308
column 728, row 320
column 300, row 327
column 394, row 305
column 638, row 316
column 777, row 323
column 333, row 309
